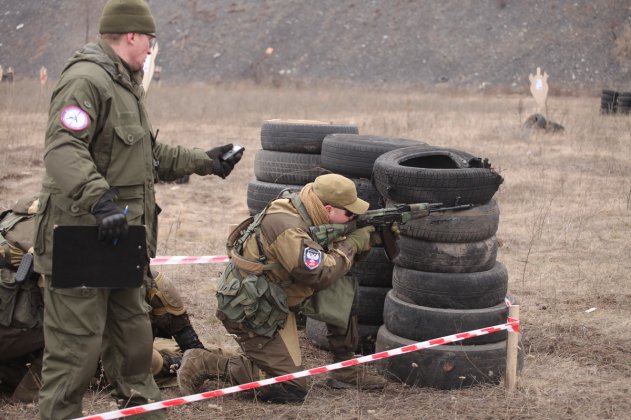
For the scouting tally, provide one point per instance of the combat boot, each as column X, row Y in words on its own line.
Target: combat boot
column 199, row 365
column 356, row 376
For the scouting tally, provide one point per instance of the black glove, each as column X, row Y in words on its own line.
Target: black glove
column 111, row 220
column 222, row 167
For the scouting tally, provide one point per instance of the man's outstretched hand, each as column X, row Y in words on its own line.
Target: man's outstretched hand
column 223, row 167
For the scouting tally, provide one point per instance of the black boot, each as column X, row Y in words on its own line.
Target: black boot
column 187, row 338
column 282, row 393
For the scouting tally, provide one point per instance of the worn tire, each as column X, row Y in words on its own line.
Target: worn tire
column 470, row 225
column 286, row 168
column 370, row 305
column 367, row 192
column 445, row 367
column 446, row 257
column 260, row 193
column 316, row 333
column 374, row 269
column 624, row 103
column 608, row 101
column 421, row 323
column 299, row 136
column 416, row 174
column 354, row 155
column 451, row 290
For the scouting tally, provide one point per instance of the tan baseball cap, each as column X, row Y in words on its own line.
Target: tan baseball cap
column 340, row 192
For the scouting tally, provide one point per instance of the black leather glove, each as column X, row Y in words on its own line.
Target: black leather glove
column 111, row 220
column 222, row 167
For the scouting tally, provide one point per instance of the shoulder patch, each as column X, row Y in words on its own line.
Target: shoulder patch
column 312, row 258
column 74, row 118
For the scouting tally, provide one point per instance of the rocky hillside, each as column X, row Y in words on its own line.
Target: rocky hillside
column 477, row 44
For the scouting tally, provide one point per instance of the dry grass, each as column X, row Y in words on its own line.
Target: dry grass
column 565, row 229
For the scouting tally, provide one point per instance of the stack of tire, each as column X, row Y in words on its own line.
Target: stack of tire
column 624, row 103
column 612, row 102
column 608, row 101
column 353, row 156
column 446, row 278
column 289, row 158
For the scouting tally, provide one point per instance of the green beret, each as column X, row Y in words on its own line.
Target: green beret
column 123, row 16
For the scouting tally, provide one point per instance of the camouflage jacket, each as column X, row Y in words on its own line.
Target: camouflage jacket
column 304, row 267
column 256, row 299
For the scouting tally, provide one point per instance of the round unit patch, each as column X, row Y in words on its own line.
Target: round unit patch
column 74, row 118
column 312, row 258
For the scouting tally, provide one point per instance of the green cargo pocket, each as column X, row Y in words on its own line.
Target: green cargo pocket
column 131, row 150
column 253, row 302
column 69, row 309
column 227, row 303
column 29, row 306
column 8, row 296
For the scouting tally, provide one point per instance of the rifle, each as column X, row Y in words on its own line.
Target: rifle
column 382, row 220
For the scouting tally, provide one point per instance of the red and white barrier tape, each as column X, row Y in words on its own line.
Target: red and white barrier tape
column 205, row 259
column 511, row 325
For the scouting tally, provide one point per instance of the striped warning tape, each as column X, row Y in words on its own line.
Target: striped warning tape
column 511, row 325
column 205, row 259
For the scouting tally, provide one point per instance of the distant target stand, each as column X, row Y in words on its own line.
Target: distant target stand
column 539, row 90
column 43, row 79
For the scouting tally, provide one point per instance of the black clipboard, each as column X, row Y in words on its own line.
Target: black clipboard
column 80, row 259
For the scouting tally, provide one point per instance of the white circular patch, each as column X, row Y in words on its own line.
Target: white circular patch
column 74, row 118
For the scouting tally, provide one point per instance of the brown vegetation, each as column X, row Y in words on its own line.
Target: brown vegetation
column 564, row 228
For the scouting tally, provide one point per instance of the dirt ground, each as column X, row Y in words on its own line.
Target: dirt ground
column 564, row 233
column 581, row 44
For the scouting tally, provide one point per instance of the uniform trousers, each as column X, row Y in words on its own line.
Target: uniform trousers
column 280, row 355
column 81, row 324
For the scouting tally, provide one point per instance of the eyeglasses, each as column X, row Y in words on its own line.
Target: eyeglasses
column 349, row 213
column 152, row 40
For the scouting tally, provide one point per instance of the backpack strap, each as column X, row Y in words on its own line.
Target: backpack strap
column 5, row 253
column 237, row 239
column 300, row 207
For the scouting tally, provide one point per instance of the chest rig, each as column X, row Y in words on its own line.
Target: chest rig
column 246, row 298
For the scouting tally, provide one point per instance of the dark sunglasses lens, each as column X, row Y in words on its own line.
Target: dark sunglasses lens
column 348, row 213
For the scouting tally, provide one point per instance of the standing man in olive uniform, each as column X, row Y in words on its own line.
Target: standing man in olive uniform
column 275, row 267
column 102, row 160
